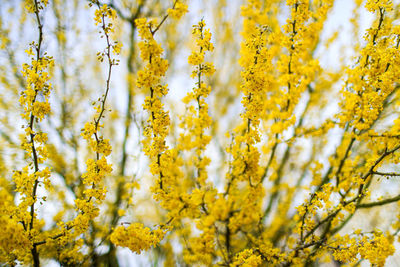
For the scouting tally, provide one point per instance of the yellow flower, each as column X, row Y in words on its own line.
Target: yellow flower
column 136, row 237
column 178, row 11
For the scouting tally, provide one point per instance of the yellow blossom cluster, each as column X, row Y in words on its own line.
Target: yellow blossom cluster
column 149, row 78
column 15, row 243
column 243, row 188
column 197, row 119
column 179, row 10
column 201, row 248
column 199, row 192
column 163, row 161
column 105, row 16
column 136, row 237
column 22, row 225
column 33, row 6
column 247, row 258
column 374, row 78
column 375, row 247
column 105, row 12
column 256, row 63
column 99, row 168
column 38, row 86
column 296, row 66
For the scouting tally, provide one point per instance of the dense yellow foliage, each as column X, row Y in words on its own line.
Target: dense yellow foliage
column 259, row 152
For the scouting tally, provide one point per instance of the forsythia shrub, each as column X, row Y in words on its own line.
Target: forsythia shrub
column 274, row 144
